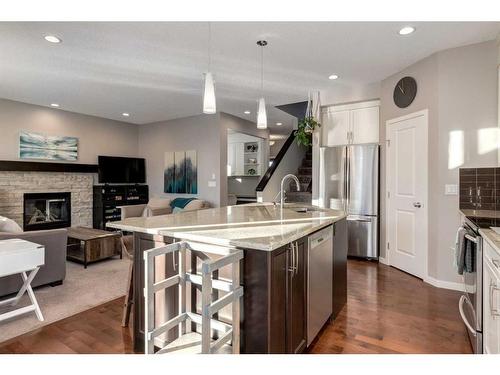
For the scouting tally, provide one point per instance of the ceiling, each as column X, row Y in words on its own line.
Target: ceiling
column 154, row 70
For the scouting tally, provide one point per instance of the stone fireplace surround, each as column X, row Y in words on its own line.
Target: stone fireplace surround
column 13, row 185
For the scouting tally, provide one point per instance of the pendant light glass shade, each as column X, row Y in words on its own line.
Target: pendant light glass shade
column 261, row 115
column 209, row 95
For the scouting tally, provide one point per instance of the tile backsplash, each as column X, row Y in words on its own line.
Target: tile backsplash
column 479, row 188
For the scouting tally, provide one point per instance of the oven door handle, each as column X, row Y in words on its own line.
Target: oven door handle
column 470, row 238
column 463, row 299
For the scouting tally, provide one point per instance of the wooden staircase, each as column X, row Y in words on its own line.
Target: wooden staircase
column 305, row 178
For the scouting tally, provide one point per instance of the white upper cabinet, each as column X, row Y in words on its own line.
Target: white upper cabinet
column 364, row 125
column 336, row 127
column 350, row 124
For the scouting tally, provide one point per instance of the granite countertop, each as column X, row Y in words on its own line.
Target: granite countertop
column 486, row 214
column 261, row 226
column 492, row 237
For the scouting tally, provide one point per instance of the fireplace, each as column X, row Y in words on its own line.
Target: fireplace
column 46, row 211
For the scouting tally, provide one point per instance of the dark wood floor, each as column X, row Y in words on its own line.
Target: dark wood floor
column 387, row 311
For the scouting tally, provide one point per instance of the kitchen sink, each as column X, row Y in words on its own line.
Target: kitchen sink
column 304, row 210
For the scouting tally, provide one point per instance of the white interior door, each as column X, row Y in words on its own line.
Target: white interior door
column 406, row 179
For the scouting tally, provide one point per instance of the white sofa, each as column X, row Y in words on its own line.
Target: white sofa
column 158, row 206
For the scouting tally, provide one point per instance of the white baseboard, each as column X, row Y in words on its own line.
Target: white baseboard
column 444, row 284
column 433, row 281
column 383, row 260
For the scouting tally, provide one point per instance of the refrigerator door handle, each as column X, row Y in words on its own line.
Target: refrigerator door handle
column 347, row 179
column 344, row 187
column 358, row 219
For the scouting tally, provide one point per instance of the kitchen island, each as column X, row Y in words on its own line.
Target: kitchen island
column 275, row 302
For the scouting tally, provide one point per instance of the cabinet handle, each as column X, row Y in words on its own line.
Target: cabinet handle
column 296, row 258
column 292, row 267
column 494, row 312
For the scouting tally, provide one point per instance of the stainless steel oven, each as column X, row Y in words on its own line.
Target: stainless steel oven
column 471, row 302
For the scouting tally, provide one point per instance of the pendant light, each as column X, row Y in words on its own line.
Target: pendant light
column 261, row 113
column 209, row 106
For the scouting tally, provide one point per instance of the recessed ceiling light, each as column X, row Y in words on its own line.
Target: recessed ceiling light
column 279, row 123
column 333, row 76
column 125, row 114
column 55, row 105
column 271, row 143
column 52, row 39
column 246, row 112
column 406, row 30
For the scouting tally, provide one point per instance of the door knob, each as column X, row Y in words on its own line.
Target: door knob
column 417, row 204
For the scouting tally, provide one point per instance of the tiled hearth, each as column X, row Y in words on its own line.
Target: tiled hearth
column 13, row 185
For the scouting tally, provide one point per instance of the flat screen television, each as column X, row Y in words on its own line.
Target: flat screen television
column 114, row 169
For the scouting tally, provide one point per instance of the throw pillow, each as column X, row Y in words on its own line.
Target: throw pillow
column 156, row 203
column 9, row 225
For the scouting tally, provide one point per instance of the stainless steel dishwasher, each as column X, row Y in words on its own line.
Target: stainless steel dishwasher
column 320, row 281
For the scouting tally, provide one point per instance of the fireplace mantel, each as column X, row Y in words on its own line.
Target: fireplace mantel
column 36, row 166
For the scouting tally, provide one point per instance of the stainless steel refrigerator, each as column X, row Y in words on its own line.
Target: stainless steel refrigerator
column 349, row 180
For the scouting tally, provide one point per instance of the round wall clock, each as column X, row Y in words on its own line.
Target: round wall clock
column 405, row 92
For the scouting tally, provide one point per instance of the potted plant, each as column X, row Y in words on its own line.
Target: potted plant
column 304, row 131
column 308, row 124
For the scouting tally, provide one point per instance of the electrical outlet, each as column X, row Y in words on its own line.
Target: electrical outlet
column 212, row 183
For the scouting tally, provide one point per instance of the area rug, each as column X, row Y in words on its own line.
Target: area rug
column 82, row 289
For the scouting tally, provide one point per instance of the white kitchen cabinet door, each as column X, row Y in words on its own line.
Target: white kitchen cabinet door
column 231, row 161
column 491, row 306
column 239, row 159
column 336, row 126
column 365, row 125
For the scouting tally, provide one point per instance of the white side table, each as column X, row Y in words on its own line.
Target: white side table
column 24, row 257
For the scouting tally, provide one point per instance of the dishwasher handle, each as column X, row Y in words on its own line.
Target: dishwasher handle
column 319, row 238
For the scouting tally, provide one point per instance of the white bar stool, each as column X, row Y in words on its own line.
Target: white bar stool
column 194, row 342
column 24, row 257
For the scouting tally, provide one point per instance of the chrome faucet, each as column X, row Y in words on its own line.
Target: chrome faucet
column 282, row 189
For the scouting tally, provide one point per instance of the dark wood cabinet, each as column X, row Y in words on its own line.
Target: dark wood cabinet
column 288, row 328
column 297, row 299
column 279, row 300
column 274, row 318
column 107, row 199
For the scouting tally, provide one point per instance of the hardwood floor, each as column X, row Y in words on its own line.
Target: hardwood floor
column 387, row 311
column 94, row 331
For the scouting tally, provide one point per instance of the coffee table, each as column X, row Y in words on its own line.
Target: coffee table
column 88, row 245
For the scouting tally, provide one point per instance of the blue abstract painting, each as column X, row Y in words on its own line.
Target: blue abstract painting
column 48, row 147
column 180, row 174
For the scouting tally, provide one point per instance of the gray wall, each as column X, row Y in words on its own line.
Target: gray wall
column 289, row 164
column 207, row 134
column 200, row 133
column 348, row 93
column 276, row 147
column 242, row 186
column 459, row 88
column 228, row 121
column 96, row 136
